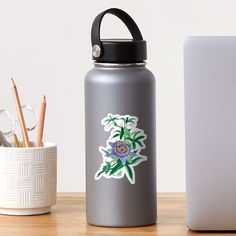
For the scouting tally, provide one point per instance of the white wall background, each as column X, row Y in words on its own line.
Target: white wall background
column 45, row 47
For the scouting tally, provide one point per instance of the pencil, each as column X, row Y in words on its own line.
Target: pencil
column 15, row 140
column 39, row 140
column 20, row 115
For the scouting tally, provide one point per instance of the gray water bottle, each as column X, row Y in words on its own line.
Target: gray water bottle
column 120, row 131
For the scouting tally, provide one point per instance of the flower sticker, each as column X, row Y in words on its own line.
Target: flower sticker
column 123, row 147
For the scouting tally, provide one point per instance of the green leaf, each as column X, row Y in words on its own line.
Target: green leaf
column 134, row 145
column 125, row 119
column 106, row 168
column 118, row 173
column 132, row 122
column 129, row 172
column 117, row 132
column 137, row 133
column 115, row 159
column 111, row 120
column 116, row 135
column 129, row 159
column 127, row 134
column 128, row 138
column 135, row 160
column 122, row 131
column 140, row 137
column 139, row 143
column 99, row 173
column 118, row 166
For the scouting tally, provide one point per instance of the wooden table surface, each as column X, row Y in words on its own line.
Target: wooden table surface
column 68, row 218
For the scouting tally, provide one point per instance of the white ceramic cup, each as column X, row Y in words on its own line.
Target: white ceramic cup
column 28, row 179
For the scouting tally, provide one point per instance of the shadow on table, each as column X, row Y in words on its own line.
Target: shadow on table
column 205, row 233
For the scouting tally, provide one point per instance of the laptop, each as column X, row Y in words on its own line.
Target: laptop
column 210, row 119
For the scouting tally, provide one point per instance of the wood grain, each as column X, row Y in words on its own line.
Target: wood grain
column 68, row 219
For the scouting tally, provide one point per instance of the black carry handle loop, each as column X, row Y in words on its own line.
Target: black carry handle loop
column 123, row 16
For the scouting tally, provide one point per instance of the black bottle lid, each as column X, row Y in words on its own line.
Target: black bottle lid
column 118, row 50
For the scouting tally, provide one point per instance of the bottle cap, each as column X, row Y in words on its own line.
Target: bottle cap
column 118, row 50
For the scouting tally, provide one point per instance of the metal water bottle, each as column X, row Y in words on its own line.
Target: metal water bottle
column 120, row 130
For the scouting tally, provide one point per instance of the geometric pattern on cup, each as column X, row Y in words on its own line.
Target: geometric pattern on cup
column 28, row 177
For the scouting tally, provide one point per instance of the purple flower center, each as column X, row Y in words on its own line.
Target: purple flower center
column 121, row 149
